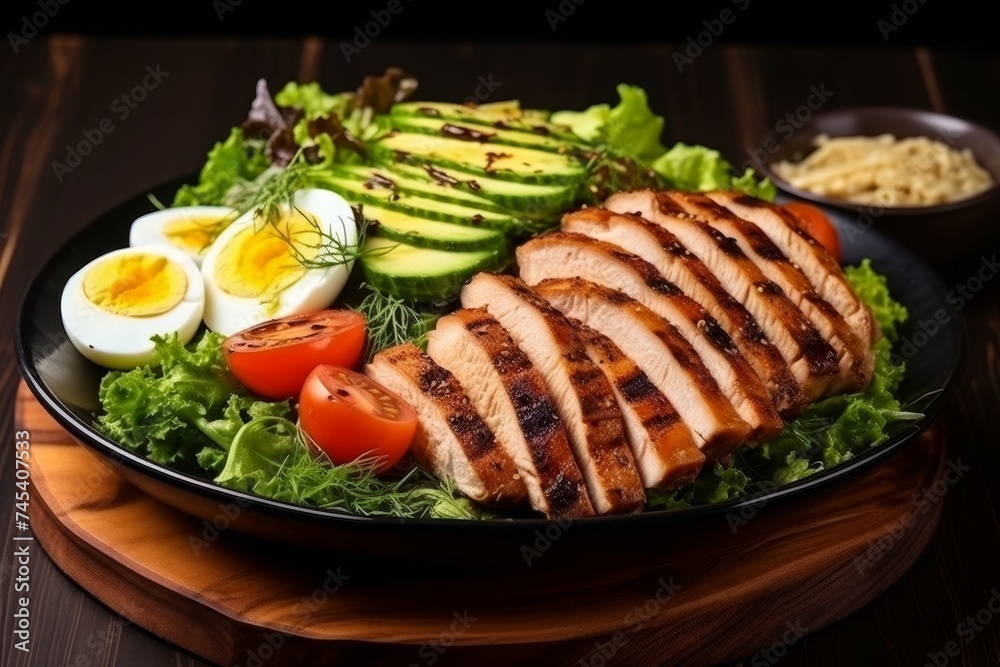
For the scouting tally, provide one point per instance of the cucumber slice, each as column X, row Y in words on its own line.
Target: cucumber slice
column 425, row 233
column 424, row 274
column 418, row 183
column 480, row 133
column 506, row 114
column 361, row 192
column 515, row 163
column 532, row 200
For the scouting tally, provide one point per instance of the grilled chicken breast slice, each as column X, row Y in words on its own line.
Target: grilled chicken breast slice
column 812, row 359
column 663, row 446
column 511, row 396
column 661, row 352
column 581, row 393
column 568, row 255
column 822, row 269
column 855, row 359
column 452, row 439
column 664, row 251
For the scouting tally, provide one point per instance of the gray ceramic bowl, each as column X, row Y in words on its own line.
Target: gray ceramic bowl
column 942, row 233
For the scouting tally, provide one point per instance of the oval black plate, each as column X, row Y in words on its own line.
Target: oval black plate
column 66, row 385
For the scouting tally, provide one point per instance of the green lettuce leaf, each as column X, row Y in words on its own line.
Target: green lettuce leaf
column 699, row 168
column 629, row 128
column 230, row 163
column 871, row 287
column 184, row 403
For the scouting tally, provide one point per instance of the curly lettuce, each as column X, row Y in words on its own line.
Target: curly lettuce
column 230, row 163
column 632, row 130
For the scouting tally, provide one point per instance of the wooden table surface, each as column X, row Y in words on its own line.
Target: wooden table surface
column 60, row 87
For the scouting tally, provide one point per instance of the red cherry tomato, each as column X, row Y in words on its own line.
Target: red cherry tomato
column 816, row 223
column 274, row 358
column 350, row 416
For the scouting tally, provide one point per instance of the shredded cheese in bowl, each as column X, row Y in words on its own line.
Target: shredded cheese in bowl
column 884, row 170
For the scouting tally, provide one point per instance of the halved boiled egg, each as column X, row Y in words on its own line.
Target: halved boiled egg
column 257, row 270
column 113, row 306
column 188, row 228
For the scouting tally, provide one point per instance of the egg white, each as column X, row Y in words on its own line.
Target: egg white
column 149, row 228
column 123, row 342
column 315, row 290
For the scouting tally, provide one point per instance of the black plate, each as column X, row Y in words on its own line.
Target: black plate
column 66, row 385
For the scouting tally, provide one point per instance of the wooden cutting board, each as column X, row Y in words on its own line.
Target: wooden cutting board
column 725, row 593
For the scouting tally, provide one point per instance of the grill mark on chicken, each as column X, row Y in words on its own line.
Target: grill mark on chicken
column 672, row 259
column 661, row 420
column 820, row 267
column 662, row 445
column 854, row 361
column 636, row 386
column 538, row 444
column 810, row 357
column 568, row 255
column 581, row 394
column 452, row 437
column 682, row 377
column 474, row 432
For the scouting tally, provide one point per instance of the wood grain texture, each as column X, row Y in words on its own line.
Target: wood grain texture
column 217, row 594
column 208, row 90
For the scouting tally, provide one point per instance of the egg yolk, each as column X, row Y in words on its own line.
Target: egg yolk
column 261, row 261
column 139, row 285
column 193, row 234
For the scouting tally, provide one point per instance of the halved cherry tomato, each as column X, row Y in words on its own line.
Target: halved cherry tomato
column 274, row 358
column 350, row 416
column 815, row 222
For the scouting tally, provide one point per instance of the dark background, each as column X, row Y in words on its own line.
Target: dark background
column 950, row 23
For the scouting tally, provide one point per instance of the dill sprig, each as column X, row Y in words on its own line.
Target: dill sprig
column 306, row 477
column 391, row 321
column 331, row 249
column 275, row 196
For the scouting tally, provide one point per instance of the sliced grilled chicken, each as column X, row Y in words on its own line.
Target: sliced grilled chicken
column 822, row 269
column 581, row 393
column 812, row 359
column 664, row 251
column 661, row 352
column 855, row 359
column 452, row 438
column 663, row 447
column 568, row 255
column 510, row 395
